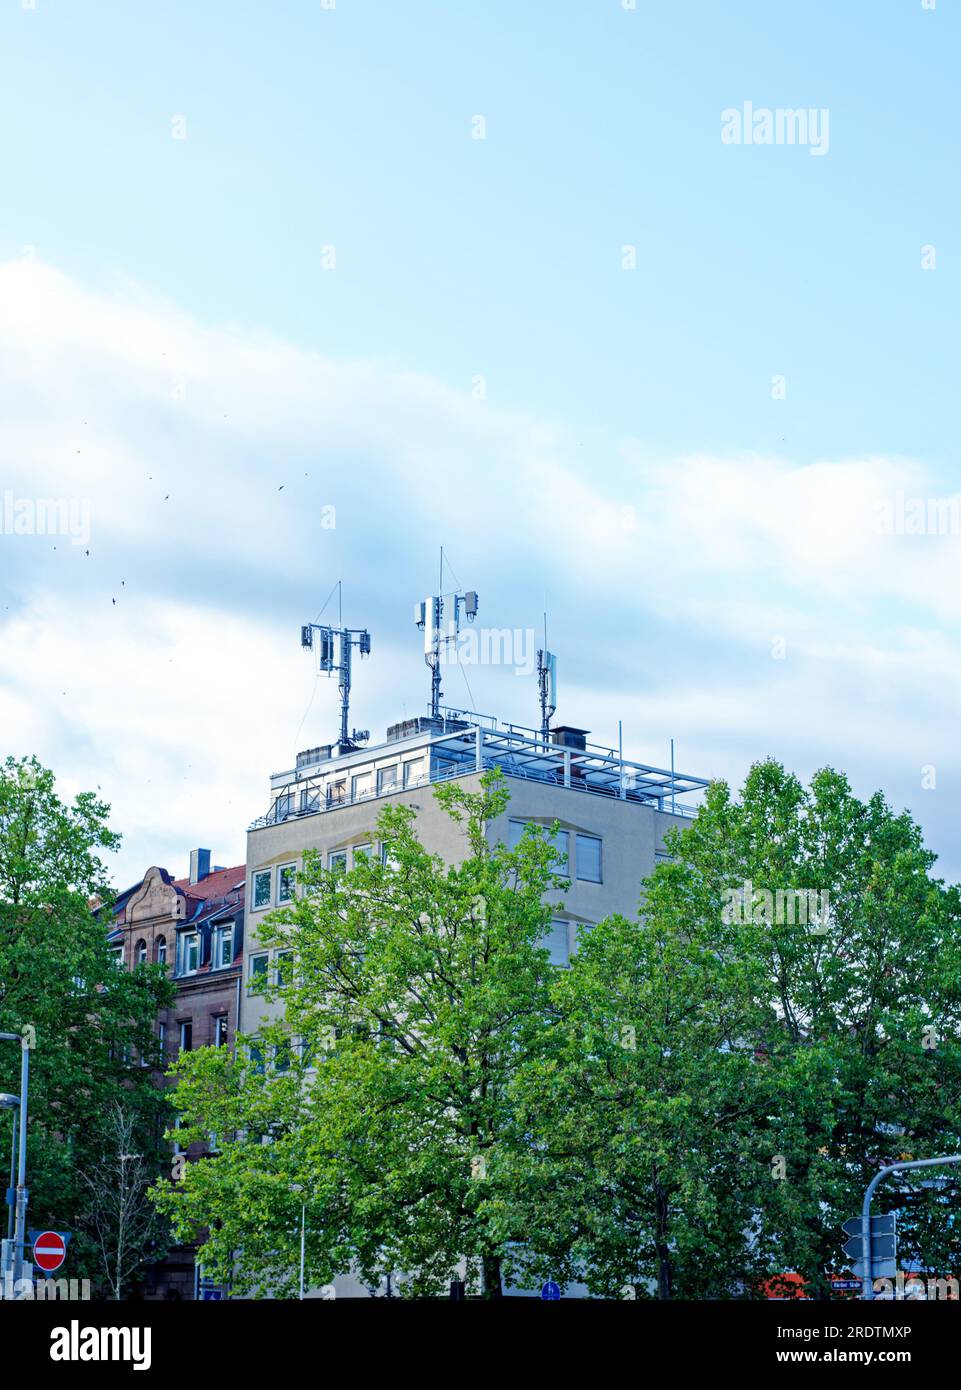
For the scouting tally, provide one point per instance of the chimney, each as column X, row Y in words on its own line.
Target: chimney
column 566, row 736
column 199, row 864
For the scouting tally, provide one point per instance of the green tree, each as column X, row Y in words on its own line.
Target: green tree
column 646, row 1111
column 419, row 989
column 93, row 1022
column 783, row 1054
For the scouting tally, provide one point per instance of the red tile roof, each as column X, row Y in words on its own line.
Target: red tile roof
column 215, row 885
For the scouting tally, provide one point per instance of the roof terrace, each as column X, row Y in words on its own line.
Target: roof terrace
column 423, row 751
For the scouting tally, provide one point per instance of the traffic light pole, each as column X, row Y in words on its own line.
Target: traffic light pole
column 867, row 1281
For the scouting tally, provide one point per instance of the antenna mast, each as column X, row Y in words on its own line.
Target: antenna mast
column 440, row 632
column 547, row 686
column 334, row 654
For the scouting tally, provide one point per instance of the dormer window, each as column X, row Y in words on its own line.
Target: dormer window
column 189, row 946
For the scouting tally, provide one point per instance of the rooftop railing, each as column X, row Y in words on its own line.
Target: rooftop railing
column 592, row 769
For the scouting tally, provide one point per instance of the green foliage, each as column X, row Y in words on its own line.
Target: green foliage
column 92, row 1021
column 690, row 1110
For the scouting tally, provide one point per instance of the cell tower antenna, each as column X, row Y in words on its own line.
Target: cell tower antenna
column 547, row 686
column 439, row 619
column 334, row 655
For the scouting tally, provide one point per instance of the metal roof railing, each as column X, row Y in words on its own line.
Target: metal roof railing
column 592, row 769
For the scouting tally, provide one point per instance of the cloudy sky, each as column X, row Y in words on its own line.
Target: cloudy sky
column 261, row 262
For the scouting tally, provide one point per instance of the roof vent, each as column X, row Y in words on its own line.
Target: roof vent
column 566, row 736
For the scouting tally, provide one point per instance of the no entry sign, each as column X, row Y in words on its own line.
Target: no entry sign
column 49, row 1250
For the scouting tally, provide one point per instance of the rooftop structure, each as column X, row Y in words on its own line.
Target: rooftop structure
column 425, row 750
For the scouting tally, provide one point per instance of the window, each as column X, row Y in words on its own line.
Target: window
column 284, row 967
column 178, row 1147
column 337, row 792
column 589, row 858
column 515, row 831
column 116, row 956
column 258, row 973
column 186, row 1035
column 337, row 859
column 282, row 1057
column 386, row 779
column 220, row 1030
column 360, row 786
column 257, row 1058
column 162, row 1040
column 414, row 773
column 189, row 944
column 361, row 852
column 284, row 806
column 140, row 956
column 223, row 953
column 262, row 888
column 161, row 950
column 286, row 878
column 556, row 941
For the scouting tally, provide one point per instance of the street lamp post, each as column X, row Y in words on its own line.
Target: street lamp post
column 20, row 1218
column 11, row 1103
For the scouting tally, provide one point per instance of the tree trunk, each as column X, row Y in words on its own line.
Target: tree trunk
column 491, row 1271
column 664, row 1270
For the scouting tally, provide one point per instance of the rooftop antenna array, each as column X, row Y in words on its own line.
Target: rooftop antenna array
column 439, row 619
column 333, row 654
column 547, row 685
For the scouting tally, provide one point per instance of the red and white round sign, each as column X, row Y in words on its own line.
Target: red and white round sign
column 49, row 1251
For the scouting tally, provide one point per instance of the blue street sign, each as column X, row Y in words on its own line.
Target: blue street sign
column 551, row 1291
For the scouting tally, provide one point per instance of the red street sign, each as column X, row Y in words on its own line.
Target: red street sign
column 49, row 1251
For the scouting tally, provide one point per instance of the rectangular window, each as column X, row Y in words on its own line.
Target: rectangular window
column 257, row 1058
column 282, row 1057
column 116, row 956
column 284, row 967
column 286, row 878
column 258, row 973
column 386, row 779
column 220, row 1030
column 360, row 786
column 414, row 773
column 337, row 859
column 224, row 945
column 337, row 792
column 515, row 831
column 561, row 864
column 186, row 1035
column 261, row 892
column 189, row 943
column 361, row 852
column 556, row 941
column 162, row 1041
column 589, row 858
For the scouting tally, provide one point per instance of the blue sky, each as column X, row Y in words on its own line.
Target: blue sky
column 629, row 463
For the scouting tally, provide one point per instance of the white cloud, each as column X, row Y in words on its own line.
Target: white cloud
column 207, row 454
